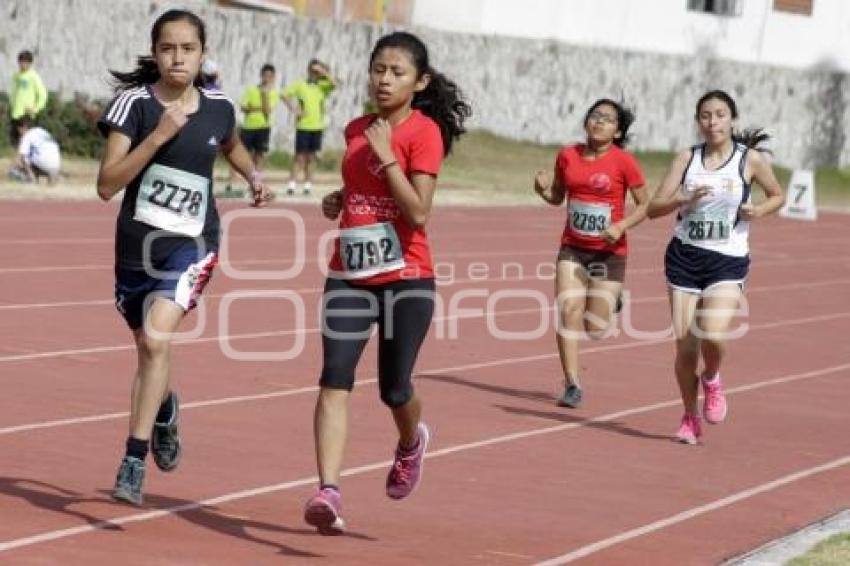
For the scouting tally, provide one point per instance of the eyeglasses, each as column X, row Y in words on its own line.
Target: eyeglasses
column 601, row 117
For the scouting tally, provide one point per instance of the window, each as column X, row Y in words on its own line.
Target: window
column 794, row 6
column 717, row 7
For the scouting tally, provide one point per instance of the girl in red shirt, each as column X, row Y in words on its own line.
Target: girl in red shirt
column 593, row 177
column 381, row 271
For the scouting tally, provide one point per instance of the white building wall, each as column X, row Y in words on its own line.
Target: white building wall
column 758, row 35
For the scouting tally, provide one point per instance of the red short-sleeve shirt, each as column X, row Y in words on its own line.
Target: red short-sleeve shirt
column 596, row 194
column 418, row 146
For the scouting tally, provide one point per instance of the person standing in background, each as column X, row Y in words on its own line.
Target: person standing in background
column 27, row 95
column 258, row 103
column 306, row 100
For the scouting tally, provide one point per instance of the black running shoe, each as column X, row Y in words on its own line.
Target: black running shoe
column 165, row 440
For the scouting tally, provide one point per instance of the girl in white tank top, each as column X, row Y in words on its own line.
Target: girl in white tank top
column 708, row 257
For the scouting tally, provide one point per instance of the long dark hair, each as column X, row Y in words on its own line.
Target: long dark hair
column 442, row 100
column 625, row 118
column 750, row 137
column 146, row 71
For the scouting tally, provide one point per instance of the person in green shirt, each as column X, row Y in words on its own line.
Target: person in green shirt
column 27, row 95
column 306, row 100
column 258, row 103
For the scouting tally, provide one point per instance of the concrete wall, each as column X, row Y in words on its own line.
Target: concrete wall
column 523, row 88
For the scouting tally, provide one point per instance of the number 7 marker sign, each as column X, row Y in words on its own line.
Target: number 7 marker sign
column 800, row 197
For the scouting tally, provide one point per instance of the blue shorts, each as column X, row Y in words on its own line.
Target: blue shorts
column 308, row 141
column 256, row 141
column 693, row 270
column 182, row 277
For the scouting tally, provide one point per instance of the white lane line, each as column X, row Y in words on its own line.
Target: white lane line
column 233, row 337
column 301, row 390
column 688, row 514
column 440, row 285
column 309, row 389
column 839, row 260
column 263, row 490
column 277, row 333
column 282, row 260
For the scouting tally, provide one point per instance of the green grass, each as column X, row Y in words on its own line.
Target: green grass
column 490, row 163
column 328, row 161
column 834, row 551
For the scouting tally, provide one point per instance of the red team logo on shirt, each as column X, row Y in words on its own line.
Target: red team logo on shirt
column 600, row 182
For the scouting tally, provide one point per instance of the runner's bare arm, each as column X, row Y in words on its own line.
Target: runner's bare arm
column 119, row 165
column 667, row 197
column 552, row 191
column 637, row 215
column 762, row 173
column 414, row 196
column 238, row 157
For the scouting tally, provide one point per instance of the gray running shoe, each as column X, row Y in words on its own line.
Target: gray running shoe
column 128, row 484
column 571, row 397
column 165, row 440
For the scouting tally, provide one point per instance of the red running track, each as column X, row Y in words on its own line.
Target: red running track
column 511, row 479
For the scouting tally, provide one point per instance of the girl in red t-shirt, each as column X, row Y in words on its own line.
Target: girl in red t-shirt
column 593, row 177
column 381, row 270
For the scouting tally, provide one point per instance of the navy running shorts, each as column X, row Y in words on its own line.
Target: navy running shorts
column 308, row 141
column 181, row 278
column 693, row 270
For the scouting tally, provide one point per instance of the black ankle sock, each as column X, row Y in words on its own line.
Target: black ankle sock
column 166, row 410
column 137, row 448
column 329, row 486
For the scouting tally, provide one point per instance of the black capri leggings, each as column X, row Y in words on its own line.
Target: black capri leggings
column 403, row 311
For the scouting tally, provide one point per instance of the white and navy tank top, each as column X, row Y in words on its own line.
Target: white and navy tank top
column 714, row 223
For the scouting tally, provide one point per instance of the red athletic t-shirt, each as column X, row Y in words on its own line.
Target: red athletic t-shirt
column 367, row 202
column 596, row 195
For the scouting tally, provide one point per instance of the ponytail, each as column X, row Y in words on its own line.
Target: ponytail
column 146, row 72
column 443, row 102
column 752, row 138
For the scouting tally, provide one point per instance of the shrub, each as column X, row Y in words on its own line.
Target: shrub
column 71, row 123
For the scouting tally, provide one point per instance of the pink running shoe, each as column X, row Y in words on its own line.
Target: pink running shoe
column 714, row 406
column 690, row 430
column 407, row 468
column 323, row 512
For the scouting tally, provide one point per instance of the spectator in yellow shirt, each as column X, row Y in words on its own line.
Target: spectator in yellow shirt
column 258, row 103
column 27, row 95
column 306, row 100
